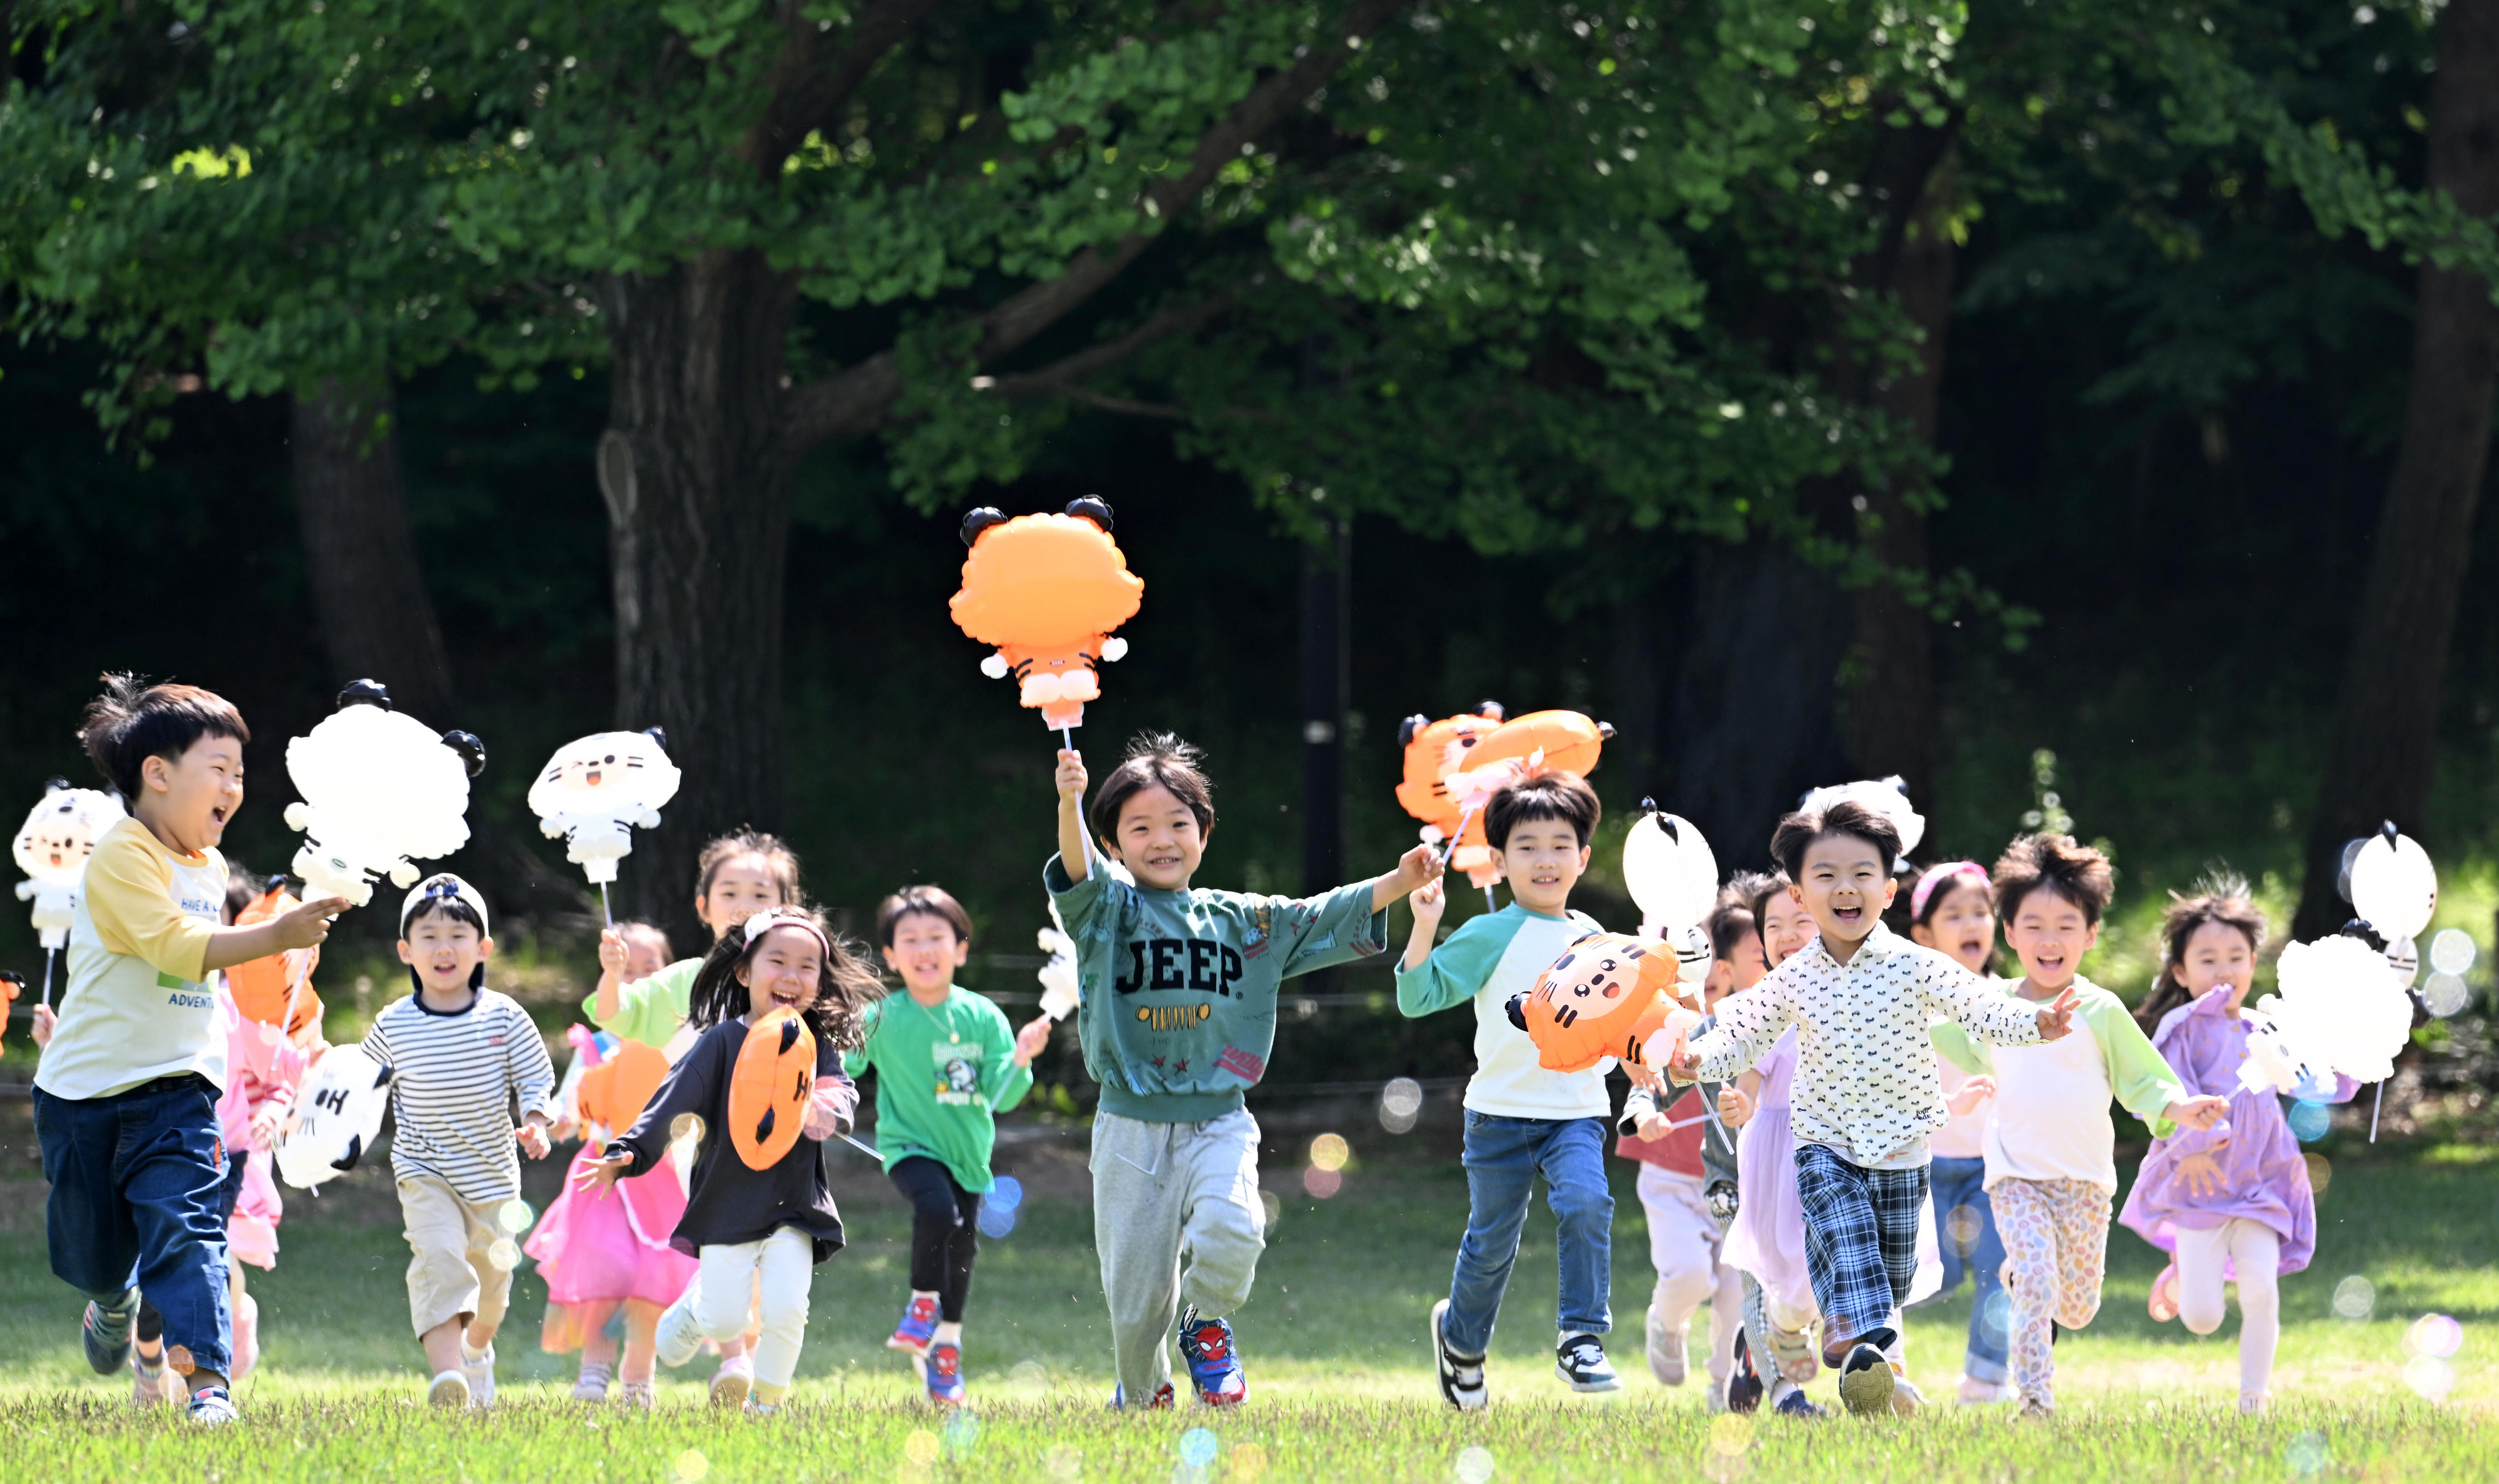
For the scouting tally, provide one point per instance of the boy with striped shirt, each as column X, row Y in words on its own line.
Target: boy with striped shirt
column 460, row 1057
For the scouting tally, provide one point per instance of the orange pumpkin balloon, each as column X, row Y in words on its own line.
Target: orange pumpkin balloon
column 615, row 1091
column 1434, row 750
column 768, row 1093
column 11, row 984
column 1603, row 997
column 262, row 987
column 1045, row 591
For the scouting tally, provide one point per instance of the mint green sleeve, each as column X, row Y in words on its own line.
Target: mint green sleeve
column 1954, row 1044
column 2144, row 1083
column 649, row 1009
column 1006, row 1083
column 1457, row 969
column 1320, row 932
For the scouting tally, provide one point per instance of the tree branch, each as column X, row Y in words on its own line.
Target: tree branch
column 857, row 400
column 808, row 89
column 1069, row 369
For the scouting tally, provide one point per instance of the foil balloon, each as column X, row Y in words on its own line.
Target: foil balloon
column 1060, row 986
column 597, row 790
column 1555, row 741
column 2339, row 1008
column 1670, row 871
column 276, row 991
column 381, row 792
column 1609, row 996
column 2394, row 888
column 769, row 1087
column 1045, row 591
column 11, row 984
column 53, row 848
column 336, row 1116
column 1433, row 751
column 617, row 1084
column 1886, row 796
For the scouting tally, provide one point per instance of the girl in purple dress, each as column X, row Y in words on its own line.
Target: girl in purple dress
column 2233, row 1202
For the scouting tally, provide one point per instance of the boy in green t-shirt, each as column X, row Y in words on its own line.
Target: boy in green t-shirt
column 946, row 1067
column 1178, row 1015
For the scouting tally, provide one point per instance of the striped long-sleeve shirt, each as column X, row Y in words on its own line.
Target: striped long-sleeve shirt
column 455, row 1078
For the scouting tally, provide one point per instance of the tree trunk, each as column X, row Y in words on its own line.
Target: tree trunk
column 2386, row 723
column 697, row 467
column 1890, row 690
column 359, row 558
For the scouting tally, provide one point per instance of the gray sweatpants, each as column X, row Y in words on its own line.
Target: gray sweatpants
column 1159, row 1187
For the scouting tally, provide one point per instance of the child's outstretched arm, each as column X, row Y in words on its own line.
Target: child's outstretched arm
column 1074, row 858
column 1415, row 868
column 1748, row 1025
column 1429, row 902
column 609, row 1000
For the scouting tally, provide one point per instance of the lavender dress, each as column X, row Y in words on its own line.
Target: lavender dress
column 2263, row 1176
column 1768, row 1237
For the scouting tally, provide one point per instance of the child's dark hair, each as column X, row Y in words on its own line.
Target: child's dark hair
column 1798, row 831
column 449, row 908
column 2221, row 897
column 1729, row 924
column 845, row 987
column 2053, row 864
column 778, row 859
column 1755, row 889
column 1154, row 758
column 242, row 889
column 1554, row 796
column 132, row 721
column 928, row 901
column 651, row 931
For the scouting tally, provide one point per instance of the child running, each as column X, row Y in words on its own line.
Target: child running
column 461, row 1057
column 1522, row 1120
column 2049, row 1142
column 1952, row 910
column 946, row 1067
column 1867, row 1093
column 754, row 1232
column 127, row 1092
column 1178, row 1015
column 1689, row 1175
column 2232, row 1200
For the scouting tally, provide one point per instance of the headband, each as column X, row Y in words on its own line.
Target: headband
column 1944, row 875
column 765, row 922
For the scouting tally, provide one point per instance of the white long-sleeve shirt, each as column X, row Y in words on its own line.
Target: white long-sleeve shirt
column 1866, row 1084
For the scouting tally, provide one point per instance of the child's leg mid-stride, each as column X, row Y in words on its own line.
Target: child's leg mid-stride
column 2255, row 1250
column 1861, row 1248
column 135, row 1204
column 1683, row 1248
column 1503, row 1158
column 1158, row 1188
column 945, row 1238
column 1963, row 1214
column 773, row 1274
column 2055, row 1249
column 456, row 1295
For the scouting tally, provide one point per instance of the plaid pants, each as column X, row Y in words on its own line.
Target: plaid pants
column 1861, row 1241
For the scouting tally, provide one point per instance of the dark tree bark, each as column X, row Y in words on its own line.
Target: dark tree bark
column 359, row 557
column 2386, row 720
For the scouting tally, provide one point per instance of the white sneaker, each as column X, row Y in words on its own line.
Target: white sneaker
column 639, row 1393
column 734, row 1383
column 1580, row 1361
column 1906, row 1399
column 592, row 1384
column 1462, row 1379
column 480, row 1375
column 150, row 1387
column 678, row 1339
column 211, row 1407
column 1668, row 1357
column 449, row 1389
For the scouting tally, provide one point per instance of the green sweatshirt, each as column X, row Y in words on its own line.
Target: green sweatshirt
column 1177, row 1009
column 942, row 1078
column 649, row 1009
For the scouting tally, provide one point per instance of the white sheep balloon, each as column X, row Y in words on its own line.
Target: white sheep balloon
column 2340, row 1008
column 1886, row 796
column 1670, row 870
column 53, row 848
column 597, row 790
column 336, row 1118
column 381, row 792
column 1061, row 988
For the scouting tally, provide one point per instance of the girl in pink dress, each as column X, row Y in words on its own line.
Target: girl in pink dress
column 2231, row 1202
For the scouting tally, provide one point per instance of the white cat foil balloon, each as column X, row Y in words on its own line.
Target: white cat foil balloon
column 594, row 791
column 53, row 846
column 381, row 792
column 335, row 1120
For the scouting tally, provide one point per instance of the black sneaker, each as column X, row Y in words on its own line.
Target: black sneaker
column 1462, row 1376
column 1794, row 1402
column 1743, row 1382
column 1866, row 1381
column 1580, row 1360
column 106, row 1333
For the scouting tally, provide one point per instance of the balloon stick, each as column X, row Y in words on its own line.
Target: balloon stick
column 862, row 1148
column 603, row 905
column 48, row 977
column 1489, row 905
column 2379, row 1103
column 1067, row 738
column 1451, row 847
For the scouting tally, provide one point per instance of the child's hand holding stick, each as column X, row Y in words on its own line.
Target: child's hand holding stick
column 1417, row 868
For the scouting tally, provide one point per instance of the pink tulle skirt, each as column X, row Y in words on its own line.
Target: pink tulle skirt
column 615, row 1246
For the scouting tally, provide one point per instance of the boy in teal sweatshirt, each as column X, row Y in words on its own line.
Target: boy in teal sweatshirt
column 1178, row 1015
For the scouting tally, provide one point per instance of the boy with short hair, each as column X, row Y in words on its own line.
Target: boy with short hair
column 1522, row 1120
column 1866, row 1092
column 460, row 1055
column 1178, row 1015
column 126, row 1093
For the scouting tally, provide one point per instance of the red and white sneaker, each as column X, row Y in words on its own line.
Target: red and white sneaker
column 918, row 1328
column 946, row 1374
column 1213, row 1367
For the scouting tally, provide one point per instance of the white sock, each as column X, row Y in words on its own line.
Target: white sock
column 950, row 1332
column 472, row 1354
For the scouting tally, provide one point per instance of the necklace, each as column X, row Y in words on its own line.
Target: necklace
column 951, row 1034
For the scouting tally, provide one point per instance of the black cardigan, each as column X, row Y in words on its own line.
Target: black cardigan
column 726, row 1202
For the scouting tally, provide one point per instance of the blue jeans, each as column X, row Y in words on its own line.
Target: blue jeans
column 137, row 1201
column 1957, row 1184
column 1503, row 1156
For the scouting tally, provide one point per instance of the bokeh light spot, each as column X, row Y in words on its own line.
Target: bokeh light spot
column 2306, row 1455
column 1963, row 1224
column 962, row 1434
column 2435, row 1335
column 1996, row 1316
column 504, row 1254
column 1275, row 1206
column 690, row 1467
column 1401, row 1104
column 2446, row 995
column 2320, row 1171
column 1329, row 1152
column 1473, row 1467
column 2429, row 1377
column 1321, row 1183
column 1731, row 1433
column 686, row 1126
column 2310, row 1120
column 921, row 1447
column 2452, row 952
column 1064, row 1463
column 1198, row 1447
column 1006, row 1193
column 2356, row 1298
column 515, row 1215
column 1245, row 1463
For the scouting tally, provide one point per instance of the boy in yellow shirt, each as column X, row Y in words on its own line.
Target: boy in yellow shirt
column 126, row 1093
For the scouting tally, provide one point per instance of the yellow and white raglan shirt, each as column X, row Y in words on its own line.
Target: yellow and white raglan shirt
column 138, row 1005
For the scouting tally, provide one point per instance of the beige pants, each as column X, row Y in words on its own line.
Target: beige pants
column 448, row 1274
column 1683, row 1241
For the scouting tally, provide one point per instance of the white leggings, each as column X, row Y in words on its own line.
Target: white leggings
column 2255, row 1254
column 776, row 1272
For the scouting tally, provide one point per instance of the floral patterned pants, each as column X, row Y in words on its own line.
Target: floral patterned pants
column 2055, row 1252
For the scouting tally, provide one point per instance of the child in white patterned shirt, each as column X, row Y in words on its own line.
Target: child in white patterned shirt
column 1867, row 1091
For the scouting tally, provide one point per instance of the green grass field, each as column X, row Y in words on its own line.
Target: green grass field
column 1340, row 1379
